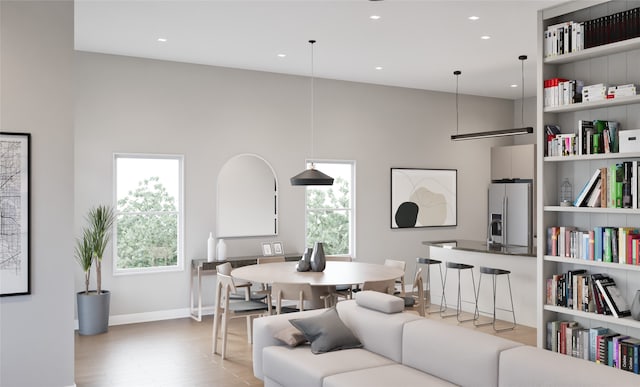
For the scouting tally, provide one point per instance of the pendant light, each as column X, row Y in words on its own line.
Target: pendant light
column 493, row 133
column 311, row 176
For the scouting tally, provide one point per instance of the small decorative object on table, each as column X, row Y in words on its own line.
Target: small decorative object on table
column 266, row 249
column 304, row 264
column 318, row 260
column 277, row 248
column 222, row 250
column 635, row 306
column 211, row 248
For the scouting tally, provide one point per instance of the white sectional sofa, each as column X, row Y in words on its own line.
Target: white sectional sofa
column 404, row 349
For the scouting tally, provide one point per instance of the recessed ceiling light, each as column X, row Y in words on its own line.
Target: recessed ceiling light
column 162, row 40
column 379, row 67
column 474, row 18
column 374, row 17
column 514, row 85
column 485, row 37
column 282, row 55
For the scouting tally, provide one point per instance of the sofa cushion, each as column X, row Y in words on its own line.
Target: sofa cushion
column 264, row 331
column 378, row 332
column 460, row 355
column 546, row 368
column 385, row 303
column 390, row 375
column 299, row 367
column 290, row 336
column 326, row 332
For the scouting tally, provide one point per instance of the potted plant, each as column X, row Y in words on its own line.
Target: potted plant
column 93, row 305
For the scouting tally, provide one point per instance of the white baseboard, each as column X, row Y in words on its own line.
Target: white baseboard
column 159, row 315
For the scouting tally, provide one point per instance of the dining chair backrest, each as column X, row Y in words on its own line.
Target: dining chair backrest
column 418, row 288
column 402, row 265
column 299, row 292
column 225, row 268
column 387, row 286
column 262, row 260
column 341, row 258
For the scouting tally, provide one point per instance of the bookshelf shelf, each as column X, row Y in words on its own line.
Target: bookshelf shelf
column 608, row 64
column 594, row 52
column 593, row 105
column 623, row 321
column 600, row 156
column 582, row 262
column 593, row 210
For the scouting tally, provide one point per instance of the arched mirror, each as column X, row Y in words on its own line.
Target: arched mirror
column 247, row 198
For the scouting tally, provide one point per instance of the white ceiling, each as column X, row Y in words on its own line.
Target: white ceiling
column 418, row 43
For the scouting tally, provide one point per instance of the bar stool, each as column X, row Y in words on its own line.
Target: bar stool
column 427, row 293
column 443, row 306
column 494, row 273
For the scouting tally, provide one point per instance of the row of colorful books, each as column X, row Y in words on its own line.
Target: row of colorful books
column 593, row 293
column 591, row 137
column 617, row 245
column 561, row 91
column 615, row 186
column 597, row 344
column 571, row 36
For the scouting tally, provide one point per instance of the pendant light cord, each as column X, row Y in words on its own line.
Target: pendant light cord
column 457, row 74
column 522, row 59
column 312, row 102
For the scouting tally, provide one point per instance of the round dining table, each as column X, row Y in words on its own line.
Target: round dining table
column 335, row 273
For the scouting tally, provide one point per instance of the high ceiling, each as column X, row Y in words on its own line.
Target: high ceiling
column 418, row 44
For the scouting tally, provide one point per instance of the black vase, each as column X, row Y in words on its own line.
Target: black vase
column 304, row 264
column 318, row 260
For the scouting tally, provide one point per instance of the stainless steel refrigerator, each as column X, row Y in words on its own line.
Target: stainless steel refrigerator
column 511, row 213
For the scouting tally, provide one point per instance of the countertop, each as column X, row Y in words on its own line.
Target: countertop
column 481, row 247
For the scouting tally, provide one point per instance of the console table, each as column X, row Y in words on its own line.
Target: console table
column 200, row 267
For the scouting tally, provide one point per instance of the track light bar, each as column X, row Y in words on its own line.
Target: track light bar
column 492, row 133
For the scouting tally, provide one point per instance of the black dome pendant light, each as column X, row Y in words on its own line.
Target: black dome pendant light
column 312, row 176
column 493, row 133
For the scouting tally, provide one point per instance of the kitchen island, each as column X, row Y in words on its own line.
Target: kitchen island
column 521, row 261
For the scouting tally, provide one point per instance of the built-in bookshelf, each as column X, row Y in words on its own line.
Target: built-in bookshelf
column 611, row 64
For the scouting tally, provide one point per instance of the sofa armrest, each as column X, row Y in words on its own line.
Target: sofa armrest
column 264, row 328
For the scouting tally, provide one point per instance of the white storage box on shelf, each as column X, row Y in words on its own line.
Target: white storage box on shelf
column 629, row 141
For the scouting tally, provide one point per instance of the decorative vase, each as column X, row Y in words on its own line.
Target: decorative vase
column 211, row 248
column 304, row 264
column 635, row 306
column 318, row 260
column 222, row 250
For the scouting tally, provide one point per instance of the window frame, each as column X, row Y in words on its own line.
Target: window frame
column 179, row 266
column 351, row 211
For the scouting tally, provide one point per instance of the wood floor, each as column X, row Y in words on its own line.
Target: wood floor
column 178, row 353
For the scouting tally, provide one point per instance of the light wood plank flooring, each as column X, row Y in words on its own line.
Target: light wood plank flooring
column 178, row 353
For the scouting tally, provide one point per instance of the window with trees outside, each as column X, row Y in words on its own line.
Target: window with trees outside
column 330, row 210
column 148, row 233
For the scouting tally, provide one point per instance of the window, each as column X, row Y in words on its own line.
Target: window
column 149, row 213
column 330, row 210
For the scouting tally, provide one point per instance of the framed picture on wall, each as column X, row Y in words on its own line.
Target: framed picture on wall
column 266, row 249
column 277, row 248
column 423, row 197
column 15, row 165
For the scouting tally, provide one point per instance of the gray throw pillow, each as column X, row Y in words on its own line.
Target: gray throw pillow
column 326, row 332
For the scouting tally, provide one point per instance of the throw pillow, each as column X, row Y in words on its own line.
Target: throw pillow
column 326, row 332
column 290, row 336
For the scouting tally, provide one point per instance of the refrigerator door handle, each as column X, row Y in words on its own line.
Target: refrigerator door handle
column 505, row 217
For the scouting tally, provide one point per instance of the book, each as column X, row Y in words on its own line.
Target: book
column 586, row 190
column 593, row 336
column 612, row 296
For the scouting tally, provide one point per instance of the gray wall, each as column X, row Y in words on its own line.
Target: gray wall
column 210, row 114
column 36, row 331
column 529, row 120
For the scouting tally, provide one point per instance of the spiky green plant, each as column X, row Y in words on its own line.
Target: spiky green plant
column 84, row 255
column 100, row 221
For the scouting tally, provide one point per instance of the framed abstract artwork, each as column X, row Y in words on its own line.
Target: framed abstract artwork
column 423, row 197
column 15, row 167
